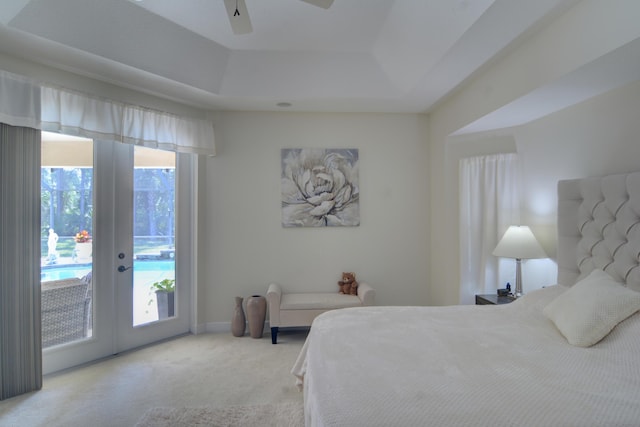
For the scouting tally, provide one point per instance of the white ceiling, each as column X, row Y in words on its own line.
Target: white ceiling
column 358, row 55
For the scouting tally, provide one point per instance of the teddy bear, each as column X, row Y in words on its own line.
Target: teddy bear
column 348, row 284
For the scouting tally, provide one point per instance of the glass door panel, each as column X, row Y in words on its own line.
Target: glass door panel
column 154, row 249
column 146, row 252
column 67, row 244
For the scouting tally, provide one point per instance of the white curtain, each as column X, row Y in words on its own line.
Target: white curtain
column 79, row 114
column 19, row 101
column 489, row 203
column 20, row 342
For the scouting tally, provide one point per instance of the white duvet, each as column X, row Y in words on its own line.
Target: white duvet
column 501, row 365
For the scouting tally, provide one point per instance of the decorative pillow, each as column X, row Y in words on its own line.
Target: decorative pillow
column 591, row 308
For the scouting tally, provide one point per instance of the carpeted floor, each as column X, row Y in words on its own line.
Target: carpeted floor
column 208, row 371
column 269, row 415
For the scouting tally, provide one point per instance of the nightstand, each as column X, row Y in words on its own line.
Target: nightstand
column 493, row 299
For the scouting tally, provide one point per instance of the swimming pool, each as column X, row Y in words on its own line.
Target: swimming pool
column 68, row 271
column 144, row 274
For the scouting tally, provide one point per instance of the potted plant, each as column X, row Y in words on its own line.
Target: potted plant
column 165, row 297
column 84, row 247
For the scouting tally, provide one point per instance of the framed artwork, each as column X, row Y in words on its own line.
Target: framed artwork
column 320, row 187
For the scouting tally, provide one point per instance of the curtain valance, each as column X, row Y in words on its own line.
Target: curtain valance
column 75, row 113
column 19, row 101
column 26, row 103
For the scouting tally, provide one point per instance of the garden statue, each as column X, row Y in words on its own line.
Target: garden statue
column 52, row 255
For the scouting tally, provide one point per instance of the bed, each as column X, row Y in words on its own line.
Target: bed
column 564, row 355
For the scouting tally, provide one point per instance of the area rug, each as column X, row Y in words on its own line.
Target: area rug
column 277, row 415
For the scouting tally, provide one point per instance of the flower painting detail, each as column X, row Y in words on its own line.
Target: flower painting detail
column 320, row 187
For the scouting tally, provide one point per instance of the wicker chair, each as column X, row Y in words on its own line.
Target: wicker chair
column 66, row 310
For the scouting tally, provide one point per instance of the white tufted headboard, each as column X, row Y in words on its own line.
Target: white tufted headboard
column 599, row 227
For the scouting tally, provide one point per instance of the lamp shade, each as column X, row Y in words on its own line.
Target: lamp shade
column 519, row 242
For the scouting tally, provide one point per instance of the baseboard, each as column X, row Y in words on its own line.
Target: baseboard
column 200, row 328
column 220, row 327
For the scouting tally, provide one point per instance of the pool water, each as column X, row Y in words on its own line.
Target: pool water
column 144, row 274
column 68, row 271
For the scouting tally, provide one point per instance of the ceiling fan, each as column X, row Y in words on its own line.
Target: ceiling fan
column 239, row 16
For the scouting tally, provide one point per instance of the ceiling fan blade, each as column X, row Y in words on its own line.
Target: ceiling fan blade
column 238, row 16
column 325, row 4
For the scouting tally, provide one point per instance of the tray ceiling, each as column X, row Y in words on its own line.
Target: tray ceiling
column 358, row 55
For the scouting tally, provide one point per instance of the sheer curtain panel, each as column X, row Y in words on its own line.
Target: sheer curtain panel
column 489, row 203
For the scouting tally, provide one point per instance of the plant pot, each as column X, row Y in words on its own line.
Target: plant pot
column 165, row 302
column 83, row 252
column 256, row 313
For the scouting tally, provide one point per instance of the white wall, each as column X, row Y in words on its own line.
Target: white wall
column 597, row 137
column 591, row 138
column 245, row 245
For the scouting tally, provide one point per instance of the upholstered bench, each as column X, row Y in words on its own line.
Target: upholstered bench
column 299, row 309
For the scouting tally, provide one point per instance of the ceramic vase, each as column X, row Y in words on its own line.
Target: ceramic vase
column 238, row 322
column 256, row 312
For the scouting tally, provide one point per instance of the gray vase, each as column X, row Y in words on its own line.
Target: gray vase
column 256, row 313
column 238, row 323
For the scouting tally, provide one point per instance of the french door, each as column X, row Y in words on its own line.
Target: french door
column 145, row 313
column 141, row 207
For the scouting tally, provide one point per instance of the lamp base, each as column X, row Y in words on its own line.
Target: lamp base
column 518, row 292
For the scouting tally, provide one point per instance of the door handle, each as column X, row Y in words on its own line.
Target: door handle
column 122, row 268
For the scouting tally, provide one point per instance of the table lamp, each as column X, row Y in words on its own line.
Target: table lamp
column 519, row 242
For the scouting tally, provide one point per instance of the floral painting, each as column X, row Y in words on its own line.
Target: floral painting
column 320, row 187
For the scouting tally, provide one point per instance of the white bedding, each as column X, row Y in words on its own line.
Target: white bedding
column 501, row 365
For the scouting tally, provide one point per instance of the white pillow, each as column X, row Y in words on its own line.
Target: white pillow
column 591, row 308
